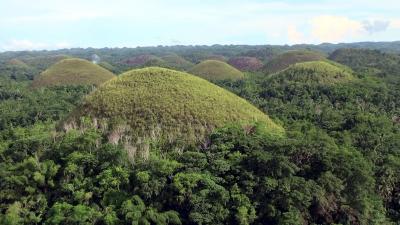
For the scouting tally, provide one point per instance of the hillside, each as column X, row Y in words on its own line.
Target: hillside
column 17, row 62
column 368, row 61
column 216, row 57
column 176, row 62
column 16, row 69
column 41, row 63
column 216, row 70
column 322, row 72
column 144, row 60
column 72, row 72
column 245, row 63
column 284, row 60
column 166, row 106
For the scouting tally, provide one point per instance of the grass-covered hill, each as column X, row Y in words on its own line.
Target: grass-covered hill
column 322, row 72
column 245, row 63
column 72, row 72
column 144, row 60
column 16, row 69
column 17, row 62
column 41, row 63
column 367, row 61
column 216, row 70
column 175, row 61
column 163, row 106
column 216, row 57
column 284, row 60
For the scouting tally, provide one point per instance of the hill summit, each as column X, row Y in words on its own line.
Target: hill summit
column 323, row 72
column 72, row 72
column 163, row 106
column 284, row 60
column 245, row 63
column 216, row 70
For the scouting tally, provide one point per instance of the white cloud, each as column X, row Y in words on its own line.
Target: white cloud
column 294, row 35
column 395, row 24
column 335, row 29
column 19, row 45
column 374, row 26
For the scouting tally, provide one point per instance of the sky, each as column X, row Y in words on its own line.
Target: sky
column 55, row 24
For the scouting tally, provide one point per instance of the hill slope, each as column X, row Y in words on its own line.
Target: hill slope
column 144, row 61
column 245, row 63
column 42, row 63
column 72, row 72
column 284, row 60
column 216, row 70
column 177, row 62
column 163, row 106
column 17, row 70
column 368, row 61
column 322, row 72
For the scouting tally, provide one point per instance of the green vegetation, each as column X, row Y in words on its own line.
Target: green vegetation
column 108, row 66
column 216, row 70
column 17, row 70
column 216, row 57
column 144, row 61
column 284, row 60
column 314, row 72
column 369, row 62
column 20, row 106
column 337, row 162
column 41, row 63
column 163, row 106
column 72, row 72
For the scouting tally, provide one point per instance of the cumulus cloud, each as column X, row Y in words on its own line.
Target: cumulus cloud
column 334, row 29
column 19, row 45
column 294, row 35
column 375, row 26
column 395, row 24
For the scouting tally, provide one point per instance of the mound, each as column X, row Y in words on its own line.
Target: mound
column 17, row 62
column 216, row 70
column 176, row 62
column 322, row 72
column 216, row 57
column 163, row 106
column 107, row 66
column 72, row 72
column 144, row 60
column 246, row 63
column 284, row 60
column 17, row 70
column 365, row 60
column 44, row 62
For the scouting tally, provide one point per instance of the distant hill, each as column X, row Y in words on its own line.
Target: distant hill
column 216, row 70
column 322, row 72
column 177, row 62
column 368, row 61
column 17, row 62
column 284, row 60
column 144, row 60
column 216, row 57
column 165, row 106
column 16, row 69
column 72, row 72
column 118, row 57
column 43, row 62
column 245, row 63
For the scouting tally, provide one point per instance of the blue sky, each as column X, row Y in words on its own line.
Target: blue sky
column 53, row 24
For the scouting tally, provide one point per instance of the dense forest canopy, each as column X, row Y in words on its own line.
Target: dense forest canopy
column 337, row 161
